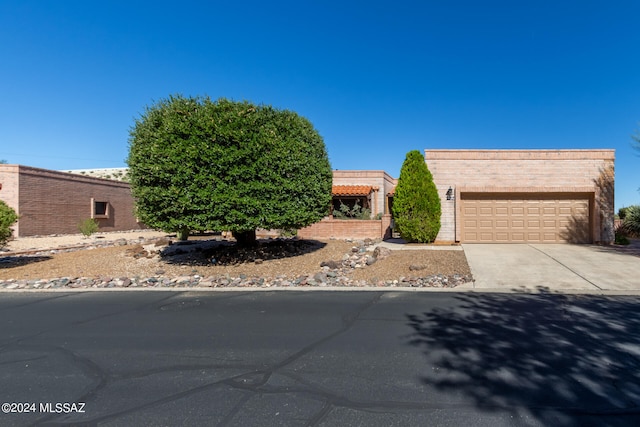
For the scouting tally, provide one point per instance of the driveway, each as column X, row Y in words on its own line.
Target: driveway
column 553, row 267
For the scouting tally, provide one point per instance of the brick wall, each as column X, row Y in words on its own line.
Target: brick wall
column 576, row 171
column 447, row 231
column 347, row 229
column 52, row 202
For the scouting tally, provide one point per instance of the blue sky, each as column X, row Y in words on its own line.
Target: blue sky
column 376, row 78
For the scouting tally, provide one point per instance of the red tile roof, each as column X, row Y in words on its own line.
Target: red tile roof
column 352, row 190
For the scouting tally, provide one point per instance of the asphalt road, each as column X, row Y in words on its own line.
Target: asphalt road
column 319, row 358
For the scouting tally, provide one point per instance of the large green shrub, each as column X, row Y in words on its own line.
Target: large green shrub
column 416, row 204
column 8, row 217
column 197, row 164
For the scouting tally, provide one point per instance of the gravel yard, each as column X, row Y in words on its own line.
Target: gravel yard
column 143, row 259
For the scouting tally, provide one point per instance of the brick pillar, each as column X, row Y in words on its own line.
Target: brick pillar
column 385, row 227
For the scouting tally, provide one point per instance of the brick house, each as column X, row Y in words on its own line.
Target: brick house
column 525, row 195
column 496, row 196
column 52, row 202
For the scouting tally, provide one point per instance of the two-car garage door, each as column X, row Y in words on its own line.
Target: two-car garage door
column 524, row 217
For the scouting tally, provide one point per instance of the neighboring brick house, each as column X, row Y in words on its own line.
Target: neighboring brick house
column 51, row 202
column 525, row 195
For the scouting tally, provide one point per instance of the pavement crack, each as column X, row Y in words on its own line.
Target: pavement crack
column 321, row 415
column 255, row 380
column 347, row 322
column 567, row 267
column 46, row 299
column 235, row 410
column 249, row 381
column 125, row 310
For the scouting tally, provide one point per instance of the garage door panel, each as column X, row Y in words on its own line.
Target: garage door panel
column 486, row 211
column 520, row 217
column 486, row 224
column 471, row 237
column 470, row 211
column 487, row 237
column 502, row 237
column 517, row 236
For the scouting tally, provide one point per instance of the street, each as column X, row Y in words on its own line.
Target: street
column 319, row 358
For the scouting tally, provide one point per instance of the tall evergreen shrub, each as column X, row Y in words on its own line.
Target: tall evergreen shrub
column 416, row 204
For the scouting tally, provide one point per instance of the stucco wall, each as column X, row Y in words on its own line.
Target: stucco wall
column 10, row 188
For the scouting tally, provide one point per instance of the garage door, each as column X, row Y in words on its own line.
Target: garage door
column 518, row 217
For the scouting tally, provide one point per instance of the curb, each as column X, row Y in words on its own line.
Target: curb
column 340, row 289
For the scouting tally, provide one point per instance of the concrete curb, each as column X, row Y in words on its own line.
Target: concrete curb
column 342, row 289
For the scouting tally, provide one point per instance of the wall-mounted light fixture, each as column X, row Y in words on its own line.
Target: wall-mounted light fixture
column 449, row 193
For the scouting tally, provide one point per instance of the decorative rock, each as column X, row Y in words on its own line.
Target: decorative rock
column 333, row 273
column 333, row 265
column 320, row 277
column 381, row 252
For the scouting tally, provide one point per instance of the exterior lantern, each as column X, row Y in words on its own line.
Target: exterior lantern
column 449, row 193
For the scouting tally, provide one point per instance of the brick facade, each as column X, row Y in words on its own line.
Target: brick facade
column 51, row 202
column 525, row 171
column 348, row 229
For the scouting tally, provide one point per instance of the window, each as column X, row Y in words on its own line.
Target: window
column 99, row 209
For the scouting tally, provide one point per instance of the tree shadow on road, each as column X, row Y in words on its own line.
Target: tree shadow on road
column 561, row 359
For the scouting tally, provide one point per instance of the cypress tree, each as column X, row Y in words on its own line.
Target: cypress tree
column 416, row 204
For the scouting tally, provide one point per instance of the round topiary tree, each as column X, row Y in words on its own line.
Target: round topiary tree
column 8, row 217
column 416, row 204
column 197, row 165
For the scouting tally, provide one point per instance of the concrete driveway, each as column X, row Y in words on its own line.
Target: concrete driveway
column 553, row 267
